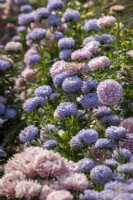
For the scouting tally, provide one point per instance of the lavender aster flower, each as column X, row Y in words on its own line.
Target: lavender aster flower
column 25, row 19
column 21, row 2
column 103, row 143
column 36, row 34
column 122, row 153
column 71, row 15
column 111, row 120
column 16, row 38
column 90, row 39
column 109, row 92
column 43, row 91
column 72, row 84
column 90, row 195
column 57, row 35
column 41, row 13
column 4, row 65
column 106, row 38
column 65, row 109
column 21, row 29
column 26, row 8
column 101, row 111
column 101, row 174
column 91, row 25
column 65, row 43
column 59, row 78
column 75, row 142
column 126, row 168
column 90, row 100
column 87, row 136
column 107, row 195
column 28, row 134
column 53, row 20
column 55, row 4
column 32, row 103
column 85, row 165
column 65, row 54
column 100, row 62
column 2, row 108
column 111, row 162
column 115, row 132
column 10, row 113
column 50, row 144
column 89, row 85
column 124, row 196
column 114, row 186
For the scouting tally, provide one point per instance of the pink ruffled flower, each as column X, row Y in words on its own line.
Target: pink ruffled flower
column 27, row 189
column 92, row 46
column 44, row 192
column 49, row 163
column 99, row 63
column 106, row 21
column 8, row 183
column 81, row 54
column 57, row 68
column 60, row 195
column 75, row 181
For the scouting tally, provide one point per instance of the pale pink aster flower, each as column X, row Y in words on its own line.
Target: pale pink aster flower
column 106, row 21
column 24, row 161
column 117, row 8
column 92, row 46
column 28, row 74
column 13, row 46
column 81, row 54
column 76, row 181
column 20, row 82
column 99, row 63
column 128, row 124
column 60, row 195
column 8, row 183
column 49, row 163
column 130, row 53
column 109, row 92
column 57, row 68
column 71, row 166
column 27, row 189
column 44, row 192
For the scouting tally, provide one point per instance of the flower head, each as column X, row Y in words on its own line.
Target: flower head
column 65, row 109
column 55, row 4
column 71, row 15
column 65, row 54
column 91, row 25
column 109, row 92
column 89, row 86
column 36, row 34
column 90, row 100
column 101, row 174
column 72, row 84
column 81, row 54
column 43, row 91
column 65, row 43
column 53, row 20
column 85, row 165
column 99, row 63
column 115, row 132
column 103, row 143
column 32, row 103
column 60, row 195
column 106, row 21
column 101, row 111
column 28, row 134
